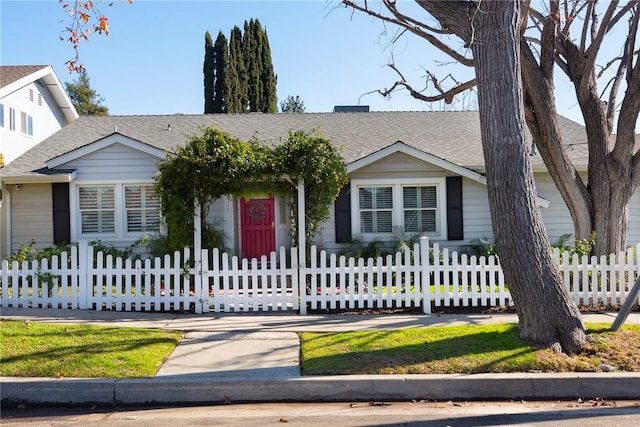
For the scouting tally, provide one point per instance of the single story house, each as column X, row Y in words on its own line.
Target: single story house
column 410, row 173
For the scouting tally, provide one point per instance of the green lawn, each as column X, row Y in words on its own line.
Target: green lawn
column 459, row 349
column 32, row 349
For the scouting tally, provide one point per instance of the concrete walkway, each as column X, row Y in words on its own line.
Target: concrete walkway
column 255, row 357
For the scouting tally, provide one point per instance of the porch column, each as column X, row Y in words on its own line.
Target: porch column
column 197, row 257
column 301, row 225
column 302, row 252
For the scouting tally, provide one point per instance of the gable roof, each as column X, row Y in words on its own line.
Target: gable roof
column 401, row 147
column 453, row 137
column 14, row 77
column 114, row 138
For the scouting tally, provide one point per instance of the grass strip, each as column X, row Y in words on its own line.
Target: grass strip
column 33, row 349
column 461, row 349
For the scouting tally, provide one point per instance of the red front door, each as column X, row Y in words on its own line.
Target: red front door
column 257, row 225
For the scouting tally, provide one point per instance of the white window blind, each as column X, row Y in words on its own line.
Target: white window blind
column 142, row 208
column 376, row 209
column 97, row 209
column 420, row 206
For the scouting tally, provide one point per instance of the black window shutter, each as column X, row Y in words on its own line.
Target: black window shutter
column 61, row 213
column 343, row 215
column 455, row 224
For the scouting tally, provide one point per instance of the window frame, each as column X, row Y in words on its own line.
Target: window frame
column 26, row 123
column 398, row 209
column 120, row 213
column 12, row 119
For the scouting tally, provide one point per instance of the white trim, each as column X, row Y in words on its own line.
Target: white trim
column 114, row 138
column 401, row 147
column 120, row 233
column 40, row 179
column 397, row 215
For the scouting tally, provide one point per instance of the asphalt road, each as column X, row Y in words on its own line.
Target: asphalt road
column 454, row 414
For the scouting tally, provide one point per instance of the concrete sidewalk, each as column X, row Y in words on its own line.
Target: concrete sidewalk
column 255, row 357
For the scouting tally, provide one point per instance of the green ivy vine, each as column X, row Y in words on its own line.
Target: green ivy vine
column 214, row 164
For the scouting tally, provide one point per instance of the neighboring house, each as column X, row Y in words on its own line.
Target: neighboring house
column 410, row 173
column 33, row 106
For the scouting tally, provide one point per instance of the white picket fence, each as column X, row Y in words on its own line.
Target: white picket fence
column 420, row 277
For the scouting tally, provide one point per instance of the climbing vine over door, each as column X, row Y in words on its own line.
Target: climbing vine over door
column 214, row 164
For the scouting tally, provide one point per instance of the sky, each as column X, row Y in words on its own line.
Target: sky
column 151, row 62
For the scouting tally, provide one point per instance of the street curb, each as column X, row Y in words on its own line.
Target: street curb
column 212, row 390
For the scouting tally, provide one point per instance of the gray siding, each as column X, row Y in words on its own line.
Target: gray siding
column 399, row 165
column 115, row 163
column 634, row 220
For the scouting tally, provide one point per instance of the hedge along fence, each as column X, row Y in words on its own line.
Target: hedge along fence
column 419, row 277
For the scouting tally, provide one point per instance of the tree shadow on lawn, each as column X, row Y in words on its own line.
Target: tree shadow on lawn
column 376, row 353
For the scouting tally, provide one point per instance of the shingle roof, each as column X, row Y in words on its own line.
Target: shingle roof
column 453, row 136
column 12, row 73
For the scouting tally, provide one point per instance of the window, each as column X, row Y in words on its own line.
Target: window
column 116, row 211
column 26, row 123
column 420, row 206
column 142, row 209
column 1, row 115
column 12, row 119
column 404, row 206
column 97, row 209
column 376, row 209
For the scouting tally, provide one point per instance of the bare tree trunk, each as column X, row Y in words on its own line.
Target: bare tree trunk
column 602, row 206
column 546, row 313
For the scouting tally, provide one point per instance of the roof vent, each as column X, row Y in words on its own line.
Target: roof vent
column 351, row 109
column 168, row 127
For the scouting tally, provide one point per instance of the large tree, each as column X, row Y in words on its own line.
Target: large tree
column 209, row 73
column 221, row 73
column 244, row 78
column 545, row 311
column 86, row 100
column 269, row 101
column 600, row 202
column 237, row 97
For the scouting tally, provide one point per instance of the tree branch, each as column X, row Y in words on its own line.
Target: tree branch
column 446, row 95
column 414, row 27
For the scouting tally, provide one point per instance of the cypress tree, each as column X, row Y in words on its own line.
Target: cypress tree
column 268, row 77
column 243, row 76
column 209, row 74
column 221, row 63
column 237, row 96
column 252, row 61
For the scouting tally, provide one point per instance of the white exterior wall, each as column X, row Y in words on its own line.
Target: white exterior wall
column 475, row 212
column 47, row 119
column 557, row 219
column 634, row 220
column 32, row 216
